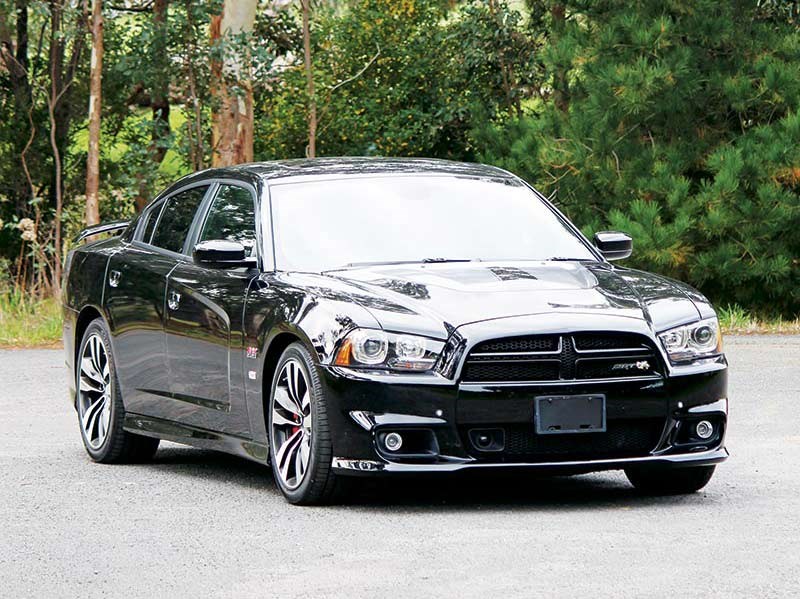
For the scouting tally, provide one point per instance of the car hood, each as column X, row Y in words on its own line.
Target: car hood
column 435, row 299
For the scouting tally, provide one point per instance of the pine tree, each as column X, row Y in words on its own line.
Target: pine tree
column 678, row 122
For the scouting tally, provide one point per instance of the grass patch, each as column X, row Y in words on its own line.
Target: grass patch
column 29, row 323
column 738, row 321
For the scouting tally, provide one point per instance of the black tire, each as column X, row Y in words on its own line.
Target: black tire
column 670, row 481
column 119, row 445
column 319, row 485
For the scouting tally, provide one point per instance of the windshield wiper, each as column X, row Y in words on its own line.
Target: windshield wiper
column 563, row 259
column 437, row 260
column 396, row 262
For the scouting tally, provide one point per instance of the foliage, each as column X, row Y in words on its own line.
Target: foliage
column 679, row 123
column 676, row 121
column 398, row 78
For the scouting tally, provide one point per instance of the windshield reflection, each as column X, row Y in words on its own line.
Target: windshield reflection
column 332, row 224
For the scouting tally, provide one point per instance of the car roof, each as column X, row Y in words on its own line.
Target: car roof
column 347, row 166
column 370, row 166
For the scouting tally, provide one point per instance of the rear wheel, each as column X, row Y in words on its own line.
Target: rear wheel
column 98, row 401
column 299, row 437
column 672, row 481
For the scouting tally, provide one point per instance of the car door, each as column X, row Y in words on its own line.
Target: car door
column 204, row 319
column 135, row 298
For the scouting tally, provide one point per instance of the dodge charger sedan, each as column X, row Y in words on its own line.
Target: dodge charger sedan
column 360, row 317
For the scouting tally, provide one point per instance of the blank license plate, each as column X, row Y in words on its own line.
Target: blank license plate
column 558, row 414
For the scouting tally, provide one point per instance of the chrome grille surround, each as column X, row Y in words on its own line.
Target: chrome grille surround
column 567, row 357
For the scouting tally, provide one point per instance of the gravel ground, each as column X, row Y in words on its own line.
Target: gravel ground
column 197, row 522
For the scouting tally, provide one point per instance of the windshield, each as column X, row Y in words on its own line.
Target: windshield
column 326, row 225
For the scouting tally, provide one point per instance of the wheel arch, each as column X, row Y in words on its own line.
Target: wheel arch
column 274, row 350
column 85, row 317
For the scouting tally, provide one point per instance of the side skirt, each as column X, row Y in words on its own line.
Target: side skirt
column 196, row 437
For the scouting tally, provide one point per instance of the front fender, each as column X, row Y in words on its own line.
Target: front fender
column 318, row 316
column 276, row 312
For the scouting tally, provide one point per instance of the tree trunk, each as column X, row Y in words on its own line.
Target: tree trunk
column 15, row 61
column 52, row 100
column 95, row 98
column 506, row 72
column 232, row 120
column 195, row 129
column 160, row 94
column 159, row 100
column 558, row 14
column 311, row 148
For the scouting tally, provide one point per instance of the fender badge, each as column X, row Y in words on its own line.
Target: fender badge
column 252, row 375
column 252, row 352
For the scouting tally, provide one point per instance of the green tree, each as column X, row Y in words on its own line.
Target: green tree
column 405, row 78
column 677, row 122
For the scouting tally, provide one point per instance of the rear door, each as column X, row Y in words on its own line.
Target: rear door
column 135, row 298
column 204, row 320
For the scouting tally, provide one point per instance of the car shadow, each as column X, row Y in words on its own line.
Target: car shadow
column 214, row 466
column 469, row 492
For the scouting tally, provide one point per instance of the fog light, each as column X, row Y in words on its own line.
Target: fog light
column 704, row 429
column 483, row 441
column 393, row 442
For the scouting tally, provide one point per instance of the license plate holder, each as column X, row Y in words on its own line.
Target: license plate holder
column 562, row 414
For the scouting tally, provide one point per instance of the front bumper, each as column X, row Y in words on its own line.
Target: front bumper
column 706, row 458
column 649, row 421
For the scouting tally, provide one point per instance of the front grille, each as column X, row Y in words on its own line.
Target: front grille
column 622, row 439
column 607, row 342
column 513, row 370
column 531, row 343
column 577, row 356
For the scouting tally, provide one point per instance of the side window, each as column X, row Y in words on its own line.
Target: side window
column 150, row 223
column 232, row 218
column 176, row 219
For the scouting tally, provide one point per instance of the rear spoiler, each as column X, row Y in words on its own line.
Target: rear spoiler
column 116, row 225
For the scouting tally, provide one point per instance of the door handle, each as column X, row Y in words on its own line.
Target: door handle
column 174, row 300
column 113, row 278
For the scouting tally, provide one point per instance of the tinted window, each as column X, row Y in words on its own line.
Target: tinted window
column 232, row 217
column 150, row 222
column 330, row 224
column 176, row 219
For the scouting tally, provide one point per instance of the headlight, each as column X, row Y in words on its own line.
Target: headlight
column 367, row 348
column 692, row 341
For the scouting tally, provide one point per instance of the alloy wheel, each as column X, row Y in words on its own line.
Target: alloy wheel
column 291, row 424
column 94, row 392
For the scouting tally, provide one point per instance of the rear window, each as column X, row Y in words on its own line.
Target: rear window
column 176, row 219
column 150, row 222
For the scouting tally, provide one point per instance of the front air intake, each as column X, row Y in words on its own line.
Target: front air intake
column 575, row 356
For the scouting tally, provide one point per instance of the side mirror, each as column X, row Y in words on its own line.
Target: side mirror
column 613, row 244
column 219, row 253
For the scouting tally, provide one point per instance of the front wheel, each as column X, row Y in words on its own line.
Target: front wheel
column 98, row 401
column 299, row 438
column 670, row 481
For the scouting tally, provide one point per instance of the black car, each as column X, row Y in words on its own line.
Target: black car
column 343, row 317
